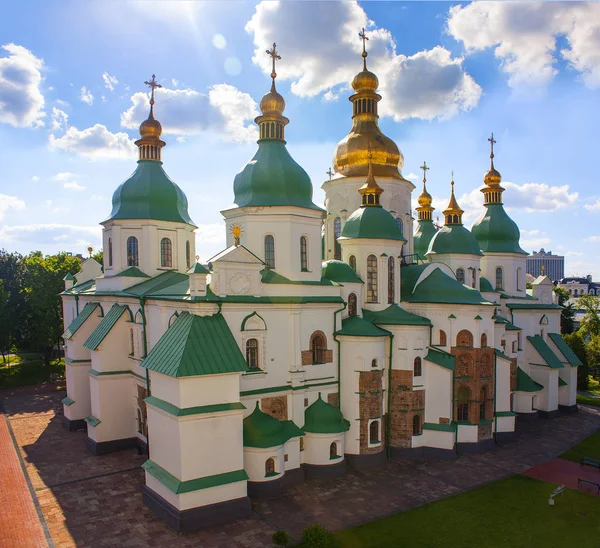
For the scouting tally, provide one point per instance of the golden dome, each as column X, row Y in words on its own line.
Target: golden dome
column 365, row 81
column 425, row 198
column 272, row 103
column 151, row 127
column 492, row 177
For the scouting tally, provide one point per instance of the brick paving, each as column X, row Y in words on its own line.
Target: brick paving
column 96, row 501
column 567, row 473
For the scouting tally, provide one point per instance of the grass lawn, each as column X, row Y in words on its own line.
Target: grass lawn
column 509, row 513
column 589, row 447
column 588, row 400
column 593, row 386
column 29, row 373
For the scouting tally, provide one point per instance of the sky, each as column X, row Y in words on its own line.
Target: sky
column 72, row 96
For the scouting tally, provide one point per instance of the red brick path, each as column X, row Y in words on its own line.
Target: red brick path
column 19, row 522
column 565, row 472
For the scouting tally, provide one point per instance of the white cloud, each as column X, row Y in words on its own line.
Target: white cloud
column 593, row 207
column 109, row 81
column 35, row 179
column 534, row 239
column 412, row 176
column 21, row 101
column 219, row 41
column 174, row 82
column 211, row 233
column 225, row 110
column 524, row 37
column 48, row 233
column 63, row 176
column 10, row 203
column 538, row 196
column 322, row 54
column 74, row 185
column 86, row 96
column 592, row 239
column 574, row 254
column 60, row 119
column 68, row 181
column 95, row 142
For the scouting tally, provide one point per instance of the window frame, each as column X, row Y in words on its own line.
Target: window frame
column 352, row 305
column 133, row 251
column 461, row 275
column 166, row 252
column 391, row 279
column 462, row 406
column 417, row 427
column 417, row 367
column 303, row 254
column 254, row 349
column 372, row 279
column 269, row 246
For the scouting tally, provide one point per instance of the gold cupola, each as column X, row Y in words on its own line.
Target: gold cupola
column 425, row 209
column 351, row 155
column 370, row 191
column 150, row 145
column 271, row 122
column 453, row 213
column 492, row 191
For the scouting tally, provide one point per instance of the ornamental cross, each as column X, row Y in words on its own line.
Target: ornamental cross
column 274, row 54
column 330, row 173
column 153, row 84
column 492, row 143
column 425, row 170
column 364, row 39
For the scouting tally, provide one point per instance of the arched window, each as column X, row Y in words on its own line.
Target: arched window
column 391, row 280
column 443, row 338
column 337, row 232
column 352, row 304
column 166, row 253
column 252, row 353
column 484, row 340
column 417, row 367
column 270, row 467
column 503, row 343
column 318, row 348
column 464, row 338
column 132, row 251
column 352, row 262
column 416, row 425
column 374, row 362
column 460, row 275
column 519, row 278
column 270, row 251
column 374, row 432
column 400, row 224
column 482, row 398
column 188, row 254
column 132, row 342
column 499, row 283
column 110, row 252
column 372, row 279
column 303, row 254
column 333, row 451
column 462, row 410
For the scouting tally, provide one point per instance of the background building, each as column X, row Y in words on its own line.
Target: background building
column 553, row 265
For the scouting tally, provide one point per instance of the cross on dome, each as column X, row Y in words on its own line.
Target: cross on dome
column 330, row 173
column 425, row 170
column 153, row 84
column 274, row 54
column 492, row 143
column 364, row 39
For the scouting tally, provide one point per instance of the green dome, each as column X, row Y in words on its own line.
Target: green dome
column 150, row 194
column 454, row 239
column 262, row 430
column 424, row 232
column 485, row 285
column 273, row 178
column 323, row 418
column 339, row 271
column 496, row 231
column 372, row 222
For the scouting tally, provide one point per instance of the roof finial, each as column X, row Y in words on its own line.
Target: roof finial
column 153, row 84
column 492, row 143
column 274, row 54
column 330, row 173
column 364, row 39
column 425, row 170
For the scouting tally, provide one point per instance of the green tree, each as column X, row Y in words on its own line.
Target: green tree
column 567, row 316
column 5, row 327
column 99, row 257
column 578, row 345
column 590, row 323
column 12, row 275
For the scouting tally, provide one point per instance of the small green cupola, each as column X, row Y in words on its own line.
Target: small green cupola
column 425, row 229
column 272, row 177
column 495, row 231
column 262, row 430
column 149, row 193
column 323, row 418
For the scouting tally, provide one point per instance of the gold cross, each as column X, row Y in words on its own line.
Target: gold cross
column 274, row 54
column 330, row 173
column 153, row 84
column 492, row 143
column 425, row 170
column 364, row 39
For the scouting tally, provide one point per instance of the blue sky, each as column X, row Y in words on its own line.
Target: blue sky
column 72, row 95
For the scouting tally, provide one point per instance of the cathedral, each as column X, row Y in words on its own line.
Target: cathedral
column 318, row 339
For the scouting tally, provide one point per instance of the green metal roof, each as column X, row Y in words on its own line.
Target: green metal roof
column 357, row 327
column 339, row 271
column 68, row 277
column 394, row 315
column 549, row 358
column 273, row 178
column 372, row 222
column 196, row 345
column 150, row 194
column 485, row 285
column 441, row 358
column 262, row 430
column 269, row 276
column 565, row 349
column 323, row 418
column 131, row 272
column 533, row 306
column 79, row 320
column 107, row 323
column 496, row 232
column 501, row 354
column 454, row 239
column 79, row 288
column 525, row 383
column 562, row 382
column 424, row 232
column 197, row 269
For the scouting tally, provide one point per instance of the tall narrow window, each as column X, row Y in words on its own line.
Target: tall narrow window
column 460, row 275
column 110, row 252
column 443, row 338
column 303, row 254
column 188, row 254
column 333, row 451
column 337, row 232
column 374, row 432
column 416, row 425
column 391, row 280
column 372, row 279
column 270, row 467
column 318, row 349
column 519, row 276
column 352, row 262
column 499, row 283
column 132, row 251
column 252, row 353
column 400, row 224
column 482, row 398
column 352, row 304
column 473, row 278
column 132, row 342
column 462, row 409
column 166, row 253
column 484, row 340
column 417, row 367
column 270, row 251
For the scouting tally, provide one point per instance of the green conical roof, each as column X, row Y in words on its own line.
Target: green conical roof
column 454, row 239
column 371, row 222
column 496, row 232
column 262, row 430
column 150, row 194
column 273, row 178
column 424, row 232
column 323, row 418
column 339, row 271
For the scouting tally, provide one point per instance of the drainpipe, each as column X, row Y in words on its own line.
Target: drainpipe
column 145, row 345
column 76, row 305
column 389, row 400
column 339, row 357
column 495, row 391
column 453, row 414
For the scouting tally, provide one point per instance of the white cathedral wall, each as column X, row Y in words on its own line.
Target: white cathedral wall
column 255, row 459
column 502, row 384
column 513, row 271
column 567, row 395
column 546, row 399
column 523, row 402
column 78, row 389
column 317, row 447
column 438, row 393
column 165, row 441
column 112, row 403
column 185, row 392
column 469, row 263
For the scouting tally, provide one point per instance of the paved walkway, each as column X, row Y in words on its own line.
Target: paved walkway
column 567, row 473
column 96, row 501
